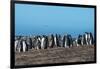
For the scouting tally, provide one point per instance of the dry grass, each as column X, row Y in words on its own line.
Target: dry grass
column 55, row 55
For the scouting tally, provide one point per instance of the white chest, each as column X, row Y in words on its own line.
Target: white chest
column 42, row 41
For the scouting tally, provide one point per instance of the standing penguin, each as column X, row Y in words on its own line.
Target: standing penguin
column 60, row 39
column 80, row 39
column 92, row 40
column 86, row 38
column 16, row 45
column 24, row 45
column 29, row 42
column 19, row 47
column 50, row 41
column 44, row 42
column 70, row 41
column 38, row 43
column 55, row 41
column 65, row 41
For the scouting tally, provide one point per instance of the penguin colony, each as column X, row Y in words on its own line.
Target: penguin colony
column 24, row 43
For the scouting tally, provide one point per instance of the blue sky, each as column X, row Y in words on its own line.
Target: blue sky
column 43, row 19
